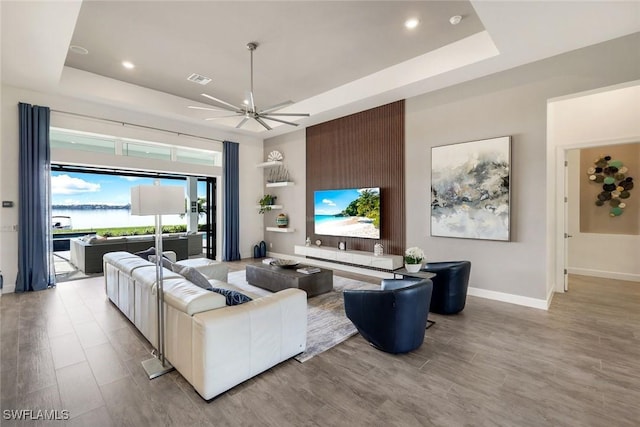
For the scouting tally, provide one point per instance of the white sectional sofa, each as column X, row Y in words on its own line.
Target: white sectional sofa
column 214, row 346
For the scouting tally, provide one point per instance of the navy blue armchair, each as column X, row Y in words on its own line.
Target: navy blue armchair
column 392, row 320
column 449, row 285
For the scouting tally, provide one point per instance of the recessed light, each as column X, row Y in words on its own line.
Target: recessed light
column 128, row 65
column 411, row 23
column 78, row 49
column 455, row 20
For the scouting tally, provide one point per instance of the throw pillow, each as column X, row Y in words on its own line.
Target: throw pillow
column 232, row 297
column 166, row 262
column 97, row 239
column 192, row 275
column 145, row 254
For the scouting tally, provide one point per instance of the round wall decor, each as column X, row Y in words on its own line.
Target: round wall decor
column 611, row 174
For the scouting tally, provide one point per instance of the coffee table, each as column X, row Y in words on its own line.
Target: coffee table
column 276, row 279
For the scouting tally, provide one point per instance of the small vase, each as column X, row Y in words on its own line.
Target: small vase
column 378, row 249
column 282, row 220
column 413, row 268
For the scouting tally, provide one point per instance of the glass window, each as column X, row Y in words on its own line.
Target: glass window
column 79, row 141
column 148, row 151
column 200, row 157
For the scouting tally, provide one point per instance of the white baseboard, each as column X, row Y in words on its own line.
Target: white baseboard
column 9, row 288
column 510, row 298
column 605, row 274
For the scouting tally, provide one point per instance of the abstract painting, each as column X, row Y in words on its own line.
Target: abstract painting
column 470, row 192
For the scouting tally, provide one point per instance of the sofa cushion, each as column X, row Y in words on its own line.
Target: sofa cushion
column 192, row 275
column 166, row 262
column 183, row 296
column 232, row 297
column 146, row 253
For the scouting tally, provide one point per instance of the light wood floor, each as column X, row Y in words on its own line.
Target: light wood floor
column 495, row 364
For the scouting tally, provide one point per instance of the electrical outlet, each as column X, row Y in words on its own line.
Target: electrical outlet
column 270, row 245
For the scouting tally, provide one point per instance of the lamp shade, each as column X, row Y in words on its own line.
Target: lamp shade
column 157, row 200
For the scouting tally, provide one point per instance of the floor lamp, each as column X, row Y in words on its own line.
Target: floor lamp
column 158, row 200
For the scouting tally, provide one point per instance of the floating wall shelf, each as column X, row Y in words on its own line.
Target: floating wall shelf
column 280, row 184
column 270, row 164
column 281, row 230
column 273, row 207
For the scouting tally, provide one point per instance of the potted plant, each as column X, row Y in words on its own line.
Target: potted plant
column 266, row 202
column 413, row 258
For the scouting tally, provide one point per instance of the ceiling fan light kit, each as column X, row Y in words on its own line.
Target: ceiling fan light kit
column 249, row 110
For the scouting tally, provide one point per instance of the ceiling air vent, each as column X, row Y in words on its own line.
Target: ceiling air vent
column 197, row 78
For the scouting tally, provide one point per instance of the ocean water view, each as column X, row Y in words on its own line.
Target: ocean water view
column 105, row 218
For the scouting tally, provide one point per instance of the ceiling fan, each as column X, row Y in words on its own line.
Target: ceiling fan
column 249, row 110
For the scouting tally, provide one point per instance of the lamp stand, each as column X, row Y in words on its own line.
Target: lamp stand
column 158, row 365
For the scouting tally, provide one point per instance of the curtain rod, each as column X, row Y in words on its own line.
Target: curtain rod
column 135, row 125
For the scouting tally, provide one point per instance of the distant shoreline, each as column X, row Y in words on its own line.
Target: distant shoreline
column 90, row 207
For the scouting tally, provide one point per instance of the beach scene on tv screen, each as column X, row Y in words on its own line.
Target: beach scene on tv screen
column 351, row 212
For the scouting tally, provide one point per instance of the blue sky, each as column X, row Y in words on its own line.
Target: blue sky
column 72, row 188
column 331, row 202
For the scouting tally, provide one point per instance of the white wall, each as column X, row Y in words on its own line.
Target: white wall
column 605, row 116
column 293, row 148
column 250, row 154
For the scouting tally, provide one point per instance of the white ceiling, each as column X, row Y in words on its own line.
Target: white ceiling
column 330, row 58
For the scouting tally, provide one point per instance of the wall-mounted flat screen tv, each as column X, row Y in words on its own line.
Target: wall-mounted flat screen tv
column 352, row 212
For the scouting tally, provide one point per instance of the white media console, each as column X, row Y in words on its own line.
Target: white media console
column 357, row 258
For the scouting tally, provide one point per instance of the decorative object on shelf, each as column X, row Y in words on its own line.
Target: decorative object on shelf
column 274, row 156
column 616, row 185
column 266, row 202
column 318, row 242
column 342, row 246
column 282, row 220
column 378, row 249
column 413, row 258
column 307, row 241
column 279, row 174
column 263, row 249
column 284, row 263
column 470, row 191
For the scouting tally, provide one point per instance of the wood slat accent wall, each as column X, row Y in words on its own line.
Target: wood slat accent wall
column 362, row 150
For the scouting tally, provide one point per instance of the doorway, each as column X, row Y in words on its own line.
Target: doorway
column 603, row 227
column 601, row 117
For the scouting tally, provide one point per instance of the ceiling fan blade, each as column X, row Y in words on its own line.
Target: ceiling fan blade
column 259, row 120
column 286, row 114
column 243, row 121
column 281, row 121
column 193, row 107
column 232, row 107
column 276, row 107
column 222, row 117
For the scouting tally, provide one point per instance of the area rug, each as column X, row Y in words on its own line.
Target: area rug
column 327, row 325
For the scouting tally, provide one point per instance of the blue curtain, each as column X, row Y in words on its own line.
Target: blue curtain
column 231, row 222
column 35, row 246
